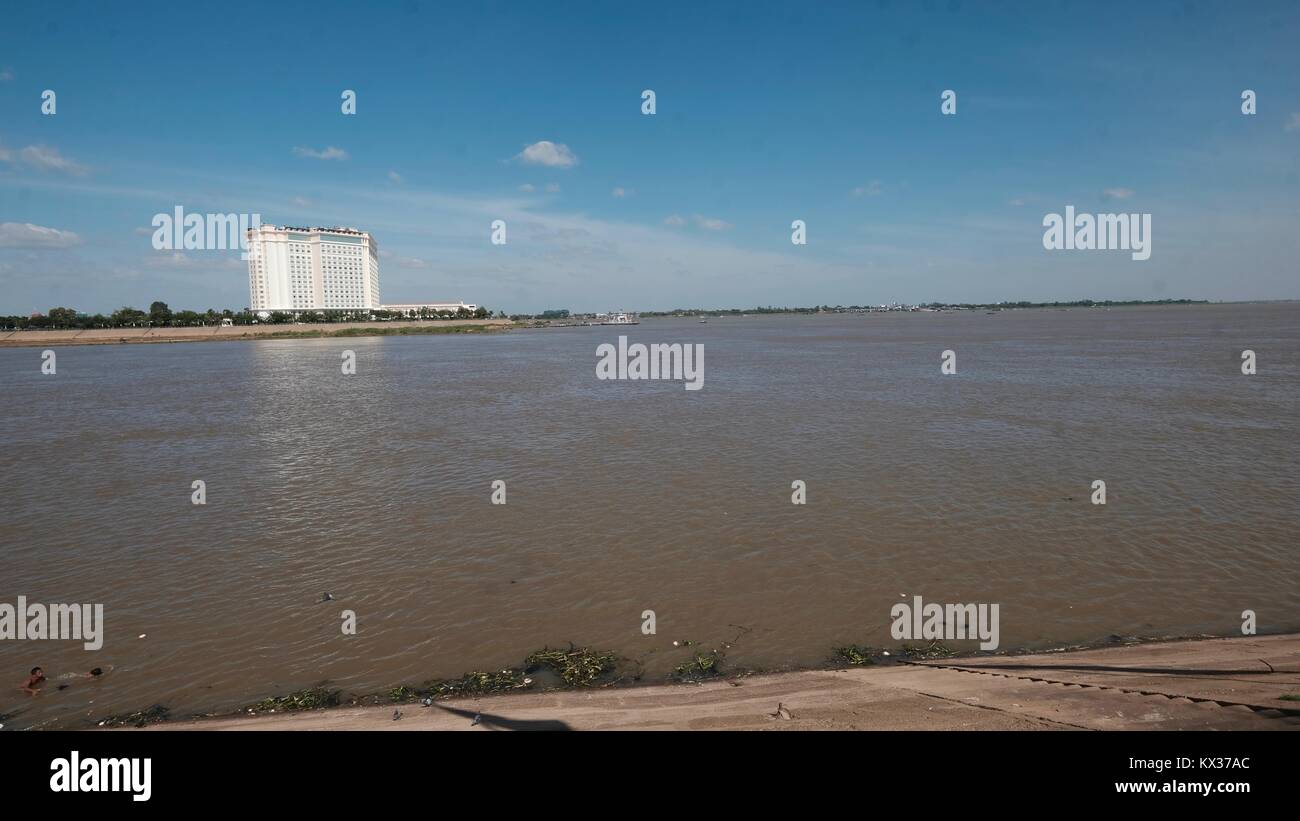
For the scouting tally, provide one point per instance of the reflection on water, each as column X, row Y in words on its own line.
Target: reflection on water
column 627, row 496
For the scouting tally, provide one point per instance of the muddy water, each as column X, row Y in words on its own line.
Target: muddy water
column 628, row 496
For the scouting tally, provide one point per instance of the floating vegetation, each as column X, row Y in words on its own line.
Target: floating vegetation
column 313, row 699
column 934, row 650
column 1290, row 697
column 152, row 715
column 403, row 693
column 855, row 655
column 706, row 665
column 699, row 668
column 473, row 684
column 577, row 666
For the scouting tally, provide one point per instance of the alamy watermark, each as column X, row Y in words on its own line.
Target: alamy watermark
column 77, row 774
column 1102, row 232
column 203, row 232
column 55, row 622
column 946, row 622
column 654, row 361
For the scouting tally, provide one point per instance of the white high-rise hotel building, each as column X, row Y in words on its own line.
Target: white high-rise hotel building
column 295, row 269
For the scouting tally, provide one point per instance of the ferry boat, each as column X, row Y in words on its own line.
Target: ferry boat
column 617, row 318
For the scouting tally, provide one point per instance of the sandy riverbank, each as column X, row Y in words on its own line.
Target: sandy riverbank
column 1223, row 684
column 117, row 336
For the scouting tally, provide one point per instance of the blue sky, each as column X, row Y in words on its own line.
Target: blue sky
column 766, row 113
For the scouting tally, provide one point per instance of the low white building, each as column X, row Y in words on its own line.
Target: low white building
column 431, row 307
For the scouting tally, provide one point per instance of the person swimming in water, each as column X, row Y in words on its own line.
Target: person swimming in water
column 33, row 681
column 95, row 673
column 38, row 678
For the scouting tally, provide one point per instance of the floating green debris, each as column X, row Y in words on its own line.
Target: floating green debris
column 152, row 715
column 577, row 666
column 1290, row 697
column 699, row 668
column 934, row 650
column 854, row 654
column 314, row 699
column 403, row 693
column 473, row 684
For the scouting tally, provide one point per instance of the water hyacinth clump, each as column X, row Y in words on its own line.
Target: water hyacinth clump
column 140, row 718
column 577, row 666
column 855, row 655
column 704, row 665
column 313, row 699
column 475, row 684
column 934, row 650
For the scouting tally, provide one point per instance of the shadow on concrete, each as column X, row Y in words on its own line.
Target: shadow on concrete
column 493, row 722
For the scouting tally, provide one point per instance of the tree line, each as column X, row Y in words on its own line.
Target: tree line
column 160, row 315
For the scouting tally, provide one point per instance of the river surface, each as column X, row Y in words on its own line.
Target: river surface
column 627, row 496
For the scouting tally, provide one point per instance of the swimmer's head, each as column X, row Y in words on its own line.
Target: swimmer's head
column 97, row 672
column 36, row 671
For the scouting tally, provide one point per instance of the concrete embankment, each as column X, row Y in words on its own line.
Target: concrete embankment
column 1211, row 684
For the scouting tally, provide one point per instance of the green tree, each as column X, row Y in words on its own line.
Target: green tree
column 128, row 317
column 62, row 317
column 159, row 313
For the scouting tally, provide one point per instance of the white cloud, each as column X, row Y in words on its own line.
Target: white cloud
column 1293, row 124
column 553, row 155
column 552, row 188
column 620, row 193
column 396, row 177
column 871, row 189
column 328, row 153
column 1018, row 201
column 1118, row 193
column 711, row 223
column 45, row 158
column 402, row 262
column 175, row 259
column 707, row 223
column 301, row 202
column 527, row 188
column 26, row 235
column 6, row 75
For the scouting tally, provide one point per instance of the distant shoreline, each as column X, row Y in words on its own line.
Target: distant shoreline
column 930, row 307
column 207, row 333
column 38, row 337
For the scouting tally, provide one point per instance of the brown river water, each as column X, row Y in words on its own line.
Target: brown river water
column 625, row 496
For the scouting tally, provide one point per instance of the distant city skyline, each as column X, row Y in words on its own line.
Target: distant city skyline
column 470, row 114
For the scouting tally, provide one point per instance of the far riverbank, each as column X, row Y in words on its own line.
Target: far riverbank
column 121, row 336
